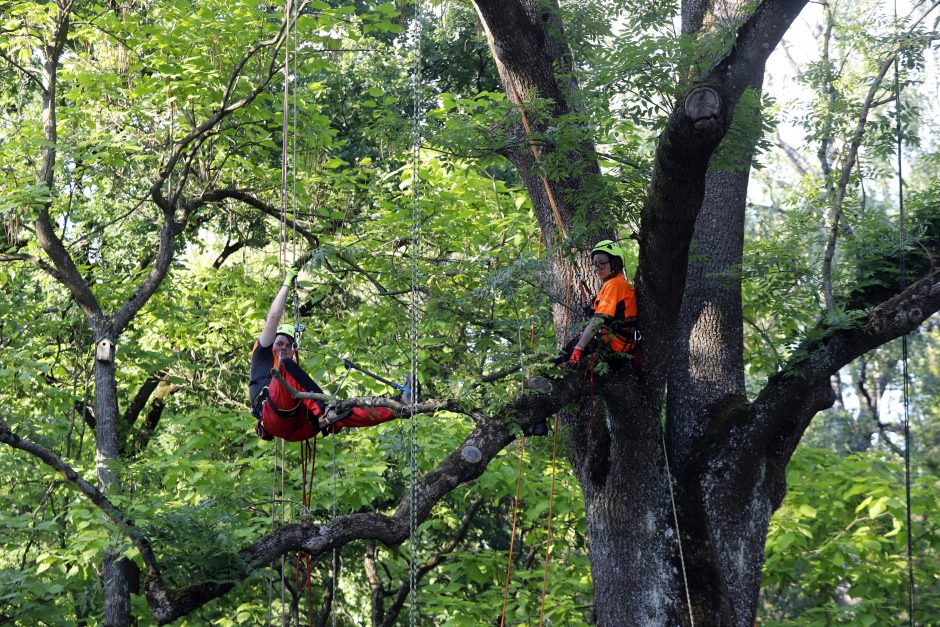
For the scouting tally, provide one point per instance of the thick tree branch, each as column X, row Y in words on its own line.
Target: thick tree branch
column 778, row 426
column 36, row 261
column 696, row 126
column 29, row 74
column 491, row 435
column 228, row 250
column 45, row 232
column 143, row 395
column 168, row 232
column 245, row 196
column 121, row 520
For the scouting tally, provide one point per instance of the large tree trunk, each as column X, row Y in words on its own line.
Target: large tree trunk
column 528, row 43
column 618, row 448
column 115, row 572
column 725, row 499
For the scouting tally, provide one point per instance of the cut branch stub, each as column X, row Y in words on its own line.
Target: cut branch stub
column 703, row 105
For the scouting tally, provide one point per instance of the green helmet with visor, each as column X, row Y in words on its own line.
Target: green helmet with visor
column 289, row 330
column 609, row 248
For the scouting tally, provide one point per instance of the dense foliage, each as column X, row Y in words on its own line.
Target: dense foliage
column 137, row 78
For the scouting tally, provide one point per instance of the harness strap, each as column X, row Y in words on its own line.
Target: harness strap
column 257, row 408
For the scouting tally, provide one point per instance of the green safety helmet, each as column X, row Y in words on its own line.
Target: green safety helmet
column 609, row 248
column 288, row 330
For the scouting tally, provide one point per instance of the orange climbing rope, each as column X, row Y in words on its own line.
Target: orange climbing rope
column 548, row 539
column 535, row 153
column 512, row 534
column 551, row 496
column 551, row 499
column 559, row 224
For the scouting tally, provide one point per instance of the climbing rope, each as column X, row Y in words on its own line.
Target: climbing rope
column 334, row 567
column 551, row 497
column 559, row 224
column 512, row 534
column 282, row 262
column 303, row 568
column 548, row 535
column 675, row 521
column 414, row 313
column 905, row 375
column 289, row 172
column 285, row 132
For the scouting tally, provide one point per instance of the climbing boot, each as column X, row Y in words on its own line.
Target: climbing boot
column 539, row 428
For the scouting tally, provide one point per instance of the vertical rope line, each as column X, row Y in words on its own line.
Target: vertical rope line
column 281, row 448
column 282, row 236
column 551, row 498
column 335, row 551
column 559, row 224
column 293, row 165
column 313, row 470
column 299, row 557
column 415, row 250
column 905, row 375
column 515, row 509
column 285, row 106
column 548, row 539
column 675, row 520
column 273, row 527
column 512, row 534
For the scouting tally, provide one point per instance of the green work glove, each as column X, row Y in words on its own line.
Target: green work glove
column 289, row 276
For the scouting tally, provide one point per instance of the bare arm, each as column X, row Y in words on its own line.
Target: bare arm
column 276, row 312
column 590, row 330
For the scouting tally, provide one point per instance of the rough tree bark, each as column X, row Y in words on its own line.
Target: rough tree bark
column 706, row 378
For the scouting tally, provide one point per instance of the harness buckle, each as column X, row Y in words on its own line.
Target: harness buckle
column 257, row 408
